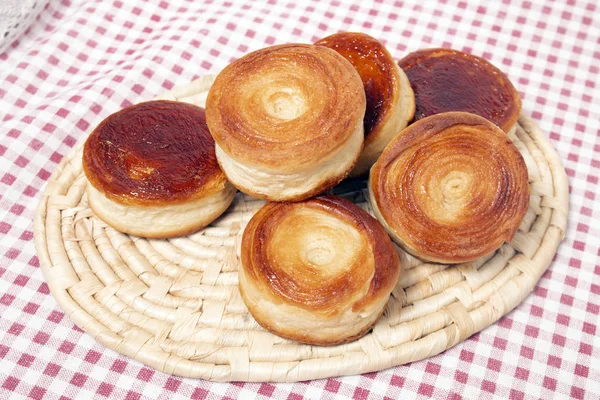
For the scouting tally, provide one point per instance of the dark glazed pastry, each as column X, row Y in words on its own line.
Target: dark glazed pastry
column 153, row 170
column 449, row 80
column 450, row 188
column 318, row 271
column 390, row 99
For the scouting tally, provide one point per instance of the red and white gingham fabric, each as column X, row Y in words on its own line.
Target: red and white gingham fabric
column 84, row 59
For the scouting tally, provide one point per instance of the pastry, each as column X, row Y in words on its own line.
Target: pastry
column 318, row 271
column 450, row 80
column 450, row 188
column 287, row 121
column 153, row 172
column 390, row 99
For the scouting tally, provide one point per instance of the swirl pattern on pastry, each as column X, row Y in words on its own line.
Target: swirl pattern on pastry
column 451, row 188
column 319, row 271
column 152, row 168
column 287, row 120
column 390, row 99
column 446, row 80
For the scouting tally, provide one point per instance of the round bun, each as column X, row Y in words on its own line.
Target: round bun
column 287, row 121
column 319, row 271
column 450, row 188
column 153, row 170
column 390, row 99
column 449, row 80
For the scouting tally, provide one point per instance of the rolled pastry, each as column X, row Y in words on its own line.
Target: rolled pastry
column 287, row 121
column 319, row 271
column 449, row 80
column 390, row 98
column 450, row 188
column 153, row 172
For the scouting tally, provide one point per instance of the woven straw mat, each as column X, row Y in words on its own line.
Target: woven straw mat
column 174, row 304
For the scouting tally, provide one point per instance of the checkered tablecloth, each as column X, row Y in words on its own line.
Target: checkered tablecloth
column 83, row 59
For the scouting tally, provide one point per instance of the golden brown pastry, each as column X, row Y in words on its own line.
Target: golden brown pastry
column 450, row 188
column 450, row 80
column 153, row 170
column 319, row 271
column 287, row 121
column 390, row 99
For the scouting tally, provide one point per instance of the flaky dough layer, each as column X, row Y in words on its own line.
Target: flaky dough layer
column 271, row 184
column 161, row 221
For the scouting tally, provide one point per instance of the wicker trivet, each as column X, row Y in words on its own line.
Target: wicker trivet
column 174, row 304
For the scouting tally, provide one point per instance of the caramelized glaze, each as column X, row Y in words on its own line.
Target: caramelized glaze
column 153, row 152
column 448, row 80
column 374, row 65
column 451, row 188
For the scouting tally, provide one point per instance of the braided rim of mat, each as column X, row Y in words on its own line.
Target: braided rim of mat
column 175, row 306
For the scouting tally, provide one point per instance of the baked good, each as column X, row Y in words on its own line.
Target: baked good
column 450, row 188
column 287, row 121
column 390, row 99
column 153, row 172
column 449, row 80
column 318, row 271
